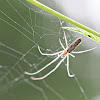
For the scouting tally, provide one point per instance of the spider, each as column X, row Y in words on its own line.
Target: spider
column 69, row 50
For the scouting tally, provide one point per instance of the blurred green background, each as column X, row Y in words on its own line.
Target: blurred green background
column 23, row 26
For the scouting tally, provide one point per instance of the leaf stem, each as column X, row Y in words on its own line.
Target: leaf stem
column 44, row 7
column 83, row 32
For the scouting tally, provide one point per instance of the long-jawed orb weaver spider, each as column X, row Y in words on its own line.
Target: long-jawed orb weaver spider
column 64, row 54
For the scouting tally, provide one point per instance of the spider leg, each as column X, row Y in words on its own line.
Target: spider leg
column 49, row 54
column 44, row 66
column 84, row 50
column 68, row 67
column 66, row 40
column 50, row 71
column 61, row 44
column 72, row 55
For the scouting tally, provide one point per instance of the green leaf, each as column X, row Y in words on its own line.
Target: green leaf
column 95, row 38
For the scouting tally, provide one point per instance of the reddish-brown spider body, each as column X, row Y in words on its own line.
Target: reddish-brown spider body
column 72, row 47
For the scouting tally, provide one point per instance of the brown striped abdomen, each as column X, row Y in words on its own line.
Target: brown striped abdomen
column 73, row 45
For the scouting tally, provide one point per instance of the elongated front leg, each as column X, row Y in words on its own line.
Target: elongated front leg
column 68, row 67
column 44, row 66
column 50, row 71
column 66, row 40
column 61, row 44
column 72, row 55
column 49, row 54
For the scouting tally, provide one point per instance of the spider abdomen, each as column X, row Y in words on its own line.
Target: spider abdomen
column 73, row 45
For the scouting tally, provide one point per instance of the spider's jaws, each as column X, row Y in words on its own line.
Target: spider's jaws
column 64, row 54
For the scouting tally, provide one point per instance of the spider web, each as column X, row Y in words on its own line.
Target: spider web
column 23, row 28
